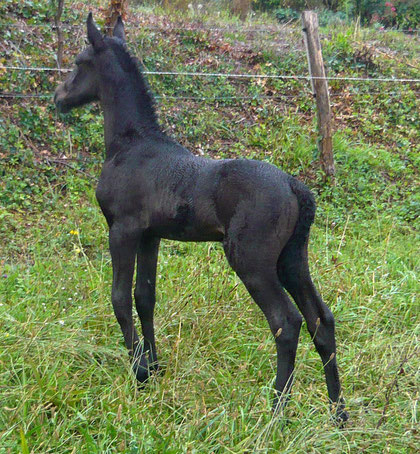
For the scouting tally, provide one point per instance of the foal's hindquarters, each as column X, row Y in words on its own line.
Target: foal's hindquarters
column 266, row 243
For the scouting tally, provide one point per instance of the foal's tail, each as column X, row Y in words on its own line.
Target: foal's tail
column 293, row 260
column 307, row 207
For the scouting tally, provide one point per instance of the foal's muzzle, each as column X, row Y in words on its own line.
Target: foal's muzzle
column 59, row 99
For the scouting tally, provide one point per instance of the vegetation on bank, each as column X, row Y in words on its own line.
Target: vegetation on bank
column 64, row 376
column 400, row 14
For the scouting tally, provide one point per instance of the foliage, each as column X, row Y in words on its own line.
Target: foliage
column 272, row 5
column 300, row 5
column 325, row 16
column 285, row 15
column 402, row 14
column 396, row 13
column 36, row 11
column 268, row 5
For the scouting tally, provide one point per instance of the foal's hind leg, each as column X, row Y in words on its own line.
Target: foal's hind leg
column 257, row 271
column 294, row 274
column 144, row 295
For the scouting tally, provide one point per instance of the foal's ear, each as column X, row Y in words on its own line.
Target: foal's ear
column 94, row 35
column 119, row 29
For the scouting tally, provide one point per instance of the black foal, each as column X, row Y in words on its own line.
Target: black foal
column 152, row 188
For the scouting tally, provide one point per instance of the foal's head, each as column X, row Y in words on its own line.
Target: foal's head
column 101, row 58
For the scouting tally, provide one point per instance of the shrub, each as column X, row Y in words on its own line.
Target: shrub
column 299, row 5
column 407, row 14
column 36, row 10
column 284, row 15
column 327, row 17
column 389, row 13
column 274, row 5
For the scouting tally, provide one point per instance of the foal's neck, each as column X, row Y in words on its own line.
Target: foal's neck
column 128, row 113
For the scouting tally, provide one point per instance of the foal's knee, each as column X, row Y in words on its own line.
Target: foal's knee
column 324, row 322
column 295, row 320
column 323, row 333
column 288, row 331
column 327, row 321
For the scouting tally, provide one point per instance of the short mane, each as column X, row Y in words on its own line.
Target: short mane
column 132, row 67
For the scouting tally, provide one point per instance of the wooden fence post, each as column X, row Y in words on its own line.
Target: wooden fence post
column 320, row 91
column 57, row 24
column 116, row 8
column 241, row 8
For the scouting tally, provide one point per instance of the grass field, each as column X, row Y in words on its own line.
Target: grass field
column 65, row 375
column 65, row 379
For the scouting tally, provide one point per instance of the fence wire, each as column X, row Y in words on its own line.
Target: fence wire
column 211, row 28
column 219, row 98
column 227, row 75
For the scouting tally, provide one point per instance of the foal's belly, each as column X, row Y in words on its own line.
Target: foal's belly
column 182, row 233
column 182, row 220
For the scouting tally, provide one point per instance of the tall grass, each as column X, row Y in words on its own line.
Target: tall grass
column 66, row 383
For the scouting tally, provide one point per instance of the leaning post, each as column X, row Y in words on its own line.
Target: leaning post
column 320, row 91
column 116, row 8
column 57, row 26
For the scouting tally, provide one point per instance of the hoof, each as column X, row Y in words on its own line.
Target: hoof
column 143, row 373
column 279, row 403
column 341, row 417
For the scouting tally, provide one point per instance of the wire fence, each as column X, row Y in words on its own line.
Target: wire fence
column 238, row 99
column 210, row 28
column 64, row 25
column 230, row 75
column 214, row 98
column 221, row 98
column 267, row 29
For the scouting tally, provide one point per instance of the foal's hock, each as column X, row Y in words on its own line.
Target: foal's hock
column 152, row 188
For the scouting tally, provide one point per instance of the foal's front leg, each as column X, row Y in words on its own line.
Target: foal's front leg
column 145, row 296
column 122, row 246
